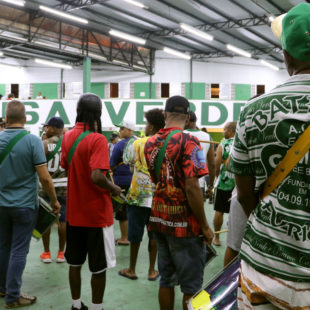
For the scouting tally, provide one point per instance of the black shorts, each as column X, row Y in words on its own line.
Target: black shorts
column 96, row 242
column 121, row 209
column 222, row 201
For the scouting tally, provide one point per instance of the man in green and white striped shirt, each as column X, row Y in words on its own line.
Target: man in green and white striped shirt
column 275, row 266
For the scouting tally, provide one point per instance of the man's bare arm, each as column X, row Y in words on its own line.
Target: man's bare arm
column 195, row 200
column 245, row 193
column 99, row 178
column 218, row 159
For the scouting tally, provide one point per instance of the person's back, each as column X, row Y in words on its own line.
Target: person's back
column 84, row 196
column 275, row 265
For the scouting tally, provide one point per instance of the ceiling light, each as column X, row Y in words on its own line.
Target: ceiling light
column 52, row 64
column 139, row 67
column 1, row 53
column 196, row 32
column 48, row 44
column 16, row 2
column 176, row 53
column 96, row 56
column 271, row 18
column 126, row 36
column 14, row 37
column 268, row 64
column 63, row 14
column 238, row 51
column 138, row 4
column 120, row 62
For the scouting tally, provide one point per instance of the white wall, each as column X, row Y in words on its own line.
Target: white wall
column 167, row 70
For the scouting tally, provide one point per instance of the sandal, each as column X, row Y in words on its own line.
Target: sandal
column 23, row 301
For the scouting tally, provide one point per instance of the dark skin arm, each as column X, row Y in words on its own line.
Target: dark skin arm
column 245, row 193
column 99, row 178
column 195, row 200
column 218, row 159
column 211, row 167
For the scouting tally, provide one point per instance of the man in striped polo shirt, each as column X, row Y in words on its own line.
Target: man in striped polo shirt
column 52, row 148
column 275, row 253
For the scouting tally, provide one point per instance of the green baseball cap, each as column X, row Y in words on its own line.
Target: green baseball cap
column 295, row 34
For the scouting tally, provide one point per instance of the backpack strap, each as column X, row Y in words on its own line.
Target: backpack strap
column 292, row 157
column 11, row 144
column 53, row 153
column 161, row 154
column 76, row 143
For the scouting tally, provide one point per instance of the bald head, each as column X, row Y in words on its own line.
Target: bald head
column 229, row 130
column 15, row 113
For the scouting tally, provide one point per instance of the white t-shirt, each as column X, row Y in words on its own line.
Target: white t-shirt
column 202, row 136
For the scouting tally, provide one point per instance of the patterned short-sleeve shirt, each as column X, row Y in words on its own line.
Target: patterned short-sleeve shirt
column 277, row 236
column 183, row 159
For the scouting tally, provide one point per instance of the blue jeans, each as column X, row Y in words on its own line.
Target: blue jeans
column 16, row 226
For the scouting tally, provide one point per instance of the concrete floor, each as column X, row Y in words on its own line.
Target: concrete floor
column 49, row 282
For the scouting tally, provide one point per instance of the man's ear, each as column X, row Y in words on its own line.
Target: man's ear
column 165, row 115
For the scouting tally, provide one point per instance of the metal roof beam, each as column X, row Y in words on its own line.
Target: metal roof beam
column 228, row 24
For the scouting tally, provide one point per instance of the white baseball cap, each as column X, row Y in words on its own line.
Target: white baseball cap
column 126, row 124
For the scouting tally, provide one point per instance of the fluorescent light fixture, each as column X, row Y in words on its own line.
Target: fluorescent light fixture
column 271, row 18
column 238, row 50
column 120, row 62
column 268, row 64
column 126, row 36
column 96, row 56
column 52, row 64
column 139, row 67
column 1, row 53
column 196, row 32
column 138, row 4
column 48, row 44
column 14, row 37
column 16, row 2
column 176, row 53
column 63, row 14
column 3, row 65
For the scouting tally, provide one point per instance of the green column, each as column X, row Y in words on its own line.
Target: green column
column 86, row 75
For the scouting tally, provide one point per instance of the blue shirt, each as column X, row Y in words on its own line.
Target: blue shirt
column 121, row 172
column 18, row 177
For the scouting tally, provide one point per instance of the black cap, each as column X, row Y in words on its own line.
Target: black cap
column 90, row 102
column 192, row 117
column 55, row 121
column 177, row 104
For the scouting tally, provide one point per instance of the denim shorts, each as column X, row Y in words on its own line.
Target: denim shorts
column 138, row 219
column 181, row 261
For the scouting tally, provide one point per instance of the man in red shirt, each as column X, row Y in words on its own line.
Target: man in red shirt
column 177, row 216
column 89, row 208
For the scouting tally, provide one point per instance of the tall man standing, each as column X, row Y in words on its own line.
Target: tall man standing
column 89, row 214
column 177, row 215
column 52, row 148
column 275, row 264
column 19, row 200
column 226, row 180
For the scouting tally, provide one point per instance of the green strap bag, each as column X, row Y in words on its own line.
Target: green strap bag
column 76, row 143
column 161, row 154
column 11, row 144
column 52, row 154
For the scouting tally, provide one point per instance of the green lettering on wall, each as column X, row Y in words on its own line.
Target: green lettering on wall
column 192, row 107
column 34, row 115
column 140, row 110
column 237, row 109
column 117, row 117
column 58, row 109
column 205, row 114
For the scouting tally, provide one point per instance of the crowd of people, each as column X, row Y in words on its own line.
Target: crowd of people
column 158, row 182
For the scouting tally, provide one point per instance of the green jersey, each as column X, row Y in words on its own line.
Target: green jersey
column 277, row 235
column 226, row 180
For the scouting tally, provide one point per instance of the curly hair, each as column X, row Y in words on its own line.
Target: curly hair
column 156, row 118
